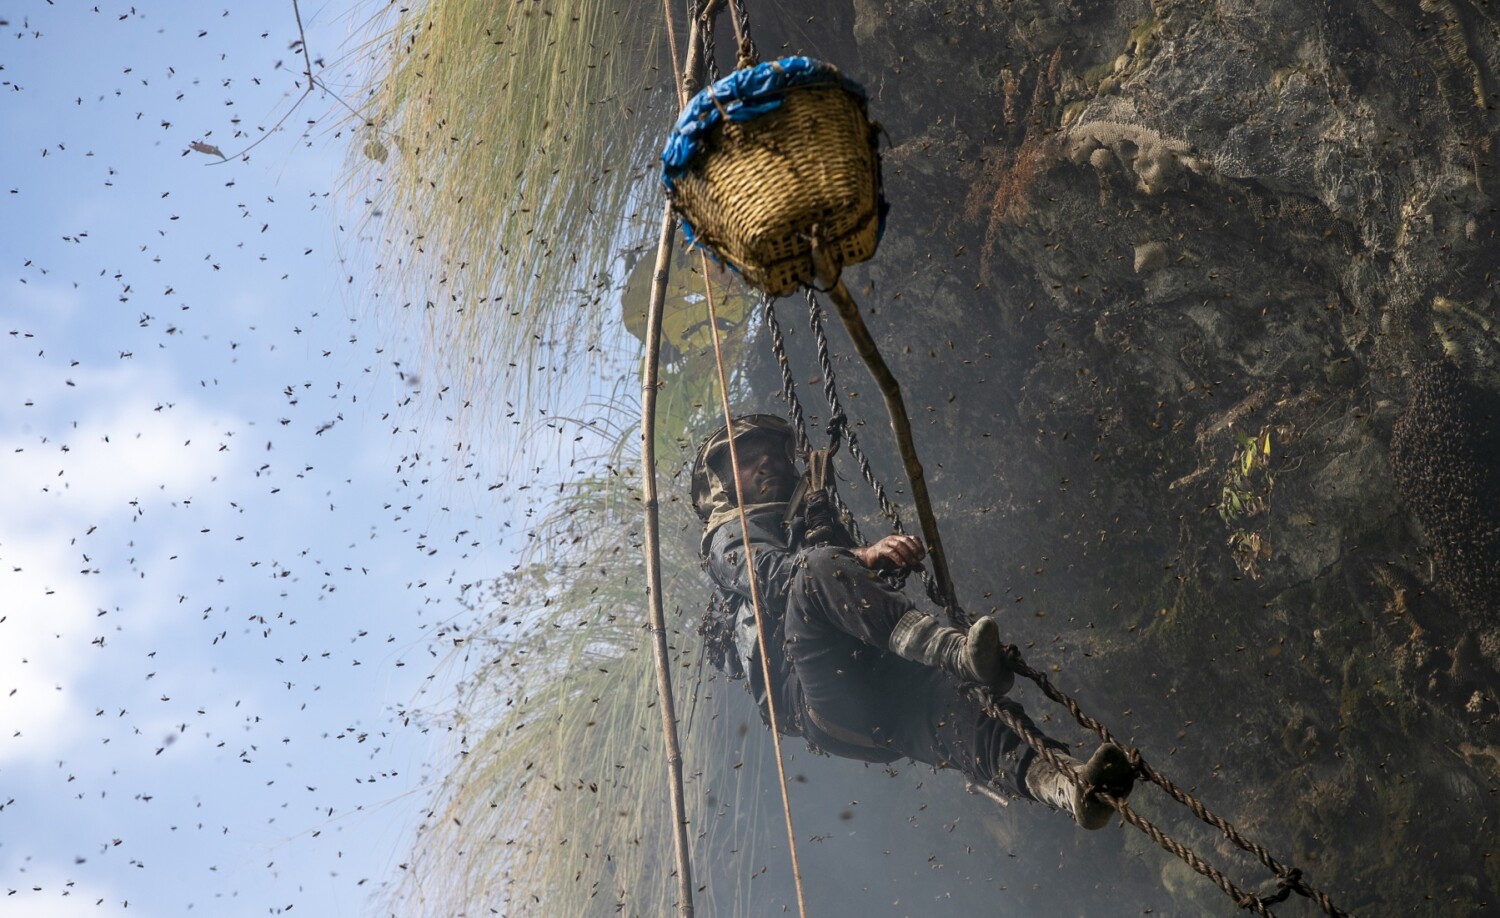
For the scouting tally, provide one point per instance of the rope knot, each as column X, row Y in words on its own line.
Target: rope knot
column 836, row 427
column 1010, row 657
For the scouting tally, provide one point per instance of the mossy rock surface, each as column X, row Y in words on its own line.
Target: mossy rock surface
column 1077, row 416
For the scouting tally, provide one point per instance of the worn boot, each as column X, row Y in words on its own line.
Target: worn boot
column 1107, row 770
column 972, row 657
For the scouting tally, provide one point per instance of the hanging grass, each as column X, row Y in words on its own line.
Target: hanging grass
column 554, row 799
column 512, row 149
column 555, row 803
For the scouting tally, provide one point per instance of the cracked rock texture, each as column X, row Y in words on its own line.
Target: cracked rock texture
column 1126, row 238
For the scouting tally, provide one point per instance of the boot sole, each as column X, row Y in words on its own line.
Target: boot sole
column 984, row 650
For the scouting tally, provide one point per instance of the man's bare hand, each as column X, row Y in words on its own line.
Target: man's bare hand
column 893, row 551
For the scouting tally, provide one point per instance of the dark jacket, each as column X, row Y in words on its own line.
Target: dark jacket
column 771, row 541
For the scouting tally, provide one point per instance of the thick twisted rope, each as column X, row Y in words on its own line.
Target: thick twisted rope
column 838, row 420
column 788, row 380
column 986, row 699
column 710, row 54
column 838, row 423
column 1289, row 878
column 794, row 408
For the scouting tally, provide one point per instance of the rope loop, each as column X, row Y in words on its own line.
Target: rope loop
column 1010, row 658
column 838, row 424
column 748, row 56
column 1286, row 884
column 788, row 380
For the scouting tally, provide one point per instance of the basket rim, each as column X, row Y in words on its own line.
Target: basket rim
column 745, row 95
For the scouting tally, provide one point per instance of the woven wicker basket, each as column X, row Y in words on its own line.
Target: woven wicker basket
column 759, row 187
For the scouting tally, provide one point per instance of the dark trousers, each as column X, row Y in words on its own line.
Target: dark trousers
column 839, row 619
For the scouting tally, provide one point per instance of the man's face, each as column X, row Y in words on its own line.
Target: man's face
column 765, row 474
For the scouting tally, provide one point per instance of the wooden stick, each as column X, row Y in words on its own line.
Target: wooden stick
column 657, row 622
column 895, row 406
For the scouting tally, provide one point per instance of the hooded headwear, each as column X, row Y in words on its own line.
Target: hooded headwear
column 712, row 494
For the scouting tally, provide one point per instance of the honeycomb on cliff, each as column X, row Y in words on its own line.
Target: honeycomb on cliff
column 1446, row 463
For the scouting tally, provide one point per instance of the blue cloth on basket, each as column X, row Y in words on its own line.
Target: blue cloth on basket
column 744, row 95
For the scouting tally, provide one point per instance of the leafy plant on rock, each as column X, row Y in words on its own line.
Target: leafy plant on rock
column 1245, row 495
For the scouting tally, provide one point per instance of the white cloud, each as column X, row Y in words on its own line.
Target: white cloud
column 50, row 302
column 43, row 612
column 75, row 511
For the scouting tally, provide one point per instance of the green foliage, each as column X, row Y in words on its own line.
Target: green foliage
column 1245, row 495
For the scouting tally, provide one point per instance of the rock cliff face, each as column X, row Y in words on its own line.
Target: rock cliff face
column 1192, row 303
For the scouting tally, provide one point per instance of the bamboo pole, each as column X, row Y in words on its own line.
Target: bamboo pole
column 652, row 531
column 657, row 624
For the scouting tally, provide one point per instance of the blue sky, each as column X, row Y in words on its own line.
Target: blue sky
column 231, row 530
